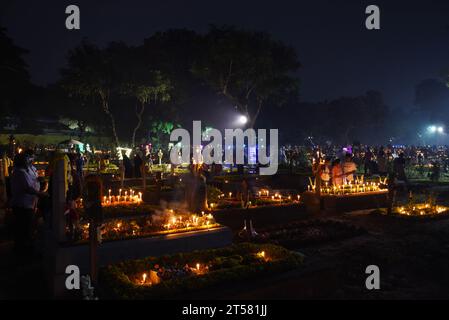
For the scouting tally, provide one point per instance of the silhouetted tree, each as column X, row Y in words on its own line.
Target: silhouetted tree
column 14, row 77
column 249, row 68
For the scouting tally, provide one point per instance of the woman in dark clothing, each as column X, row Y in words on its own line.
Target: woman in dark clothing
column 137, row 166
column 128, row 166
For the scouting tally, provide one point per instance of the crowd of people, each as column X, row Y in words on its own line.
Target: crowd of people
column 336, row 172
column 431, row 161
column 28, row 193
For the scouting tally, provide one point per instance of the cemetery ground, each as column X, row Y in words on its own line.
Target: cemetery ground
column 413, row 256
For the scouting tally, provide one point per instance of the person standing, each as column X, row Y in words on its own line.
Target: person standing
column 79, row 164
column 399, row 168
column 128, row 166
column 25, row 190
column 381, row 161
column 349, row 168
column 368, row 161
column 337, row 173
column 326, row 171
column 138, row 163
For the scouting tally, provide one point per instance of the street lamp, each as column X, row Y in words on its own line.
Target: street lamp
column 435, row 129
column 242, row 120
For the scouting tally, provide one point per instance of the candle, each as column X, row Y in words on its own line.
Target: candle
column 144, row 278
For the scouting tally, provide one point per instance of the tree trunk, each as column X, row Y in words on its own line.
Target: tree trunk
column 139, row 115
column 111, row 117
column 253, row 119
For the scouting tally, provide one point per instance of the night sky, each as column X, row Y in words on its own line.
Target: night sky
column 338, row 55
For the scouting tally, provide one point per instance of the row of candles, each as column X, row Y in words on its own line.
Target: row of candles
column 264, row 194
column 349, row 187
column 422, row 209
column 152, row 277
column 178, row 222
column 122, row 198
column 173, row 223
column 277, row 196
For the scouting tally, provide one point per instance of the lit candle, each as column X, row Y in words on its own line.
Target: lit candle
column 144, row 278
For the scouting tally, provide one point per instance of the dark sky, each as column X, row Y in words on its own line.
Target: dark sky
column 339, row 56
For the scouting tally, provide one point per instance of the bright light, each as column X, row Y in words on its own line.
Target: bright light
column 121, row 149
column 243, row 120
column 435, row 129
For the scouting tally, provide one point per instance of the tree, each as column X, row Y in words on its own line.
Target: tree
column 173, row 53
column 248, row 68
column 160, row 133
column 94, row 72
column 145, row 86
column 77, row 112
column 14, row 77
